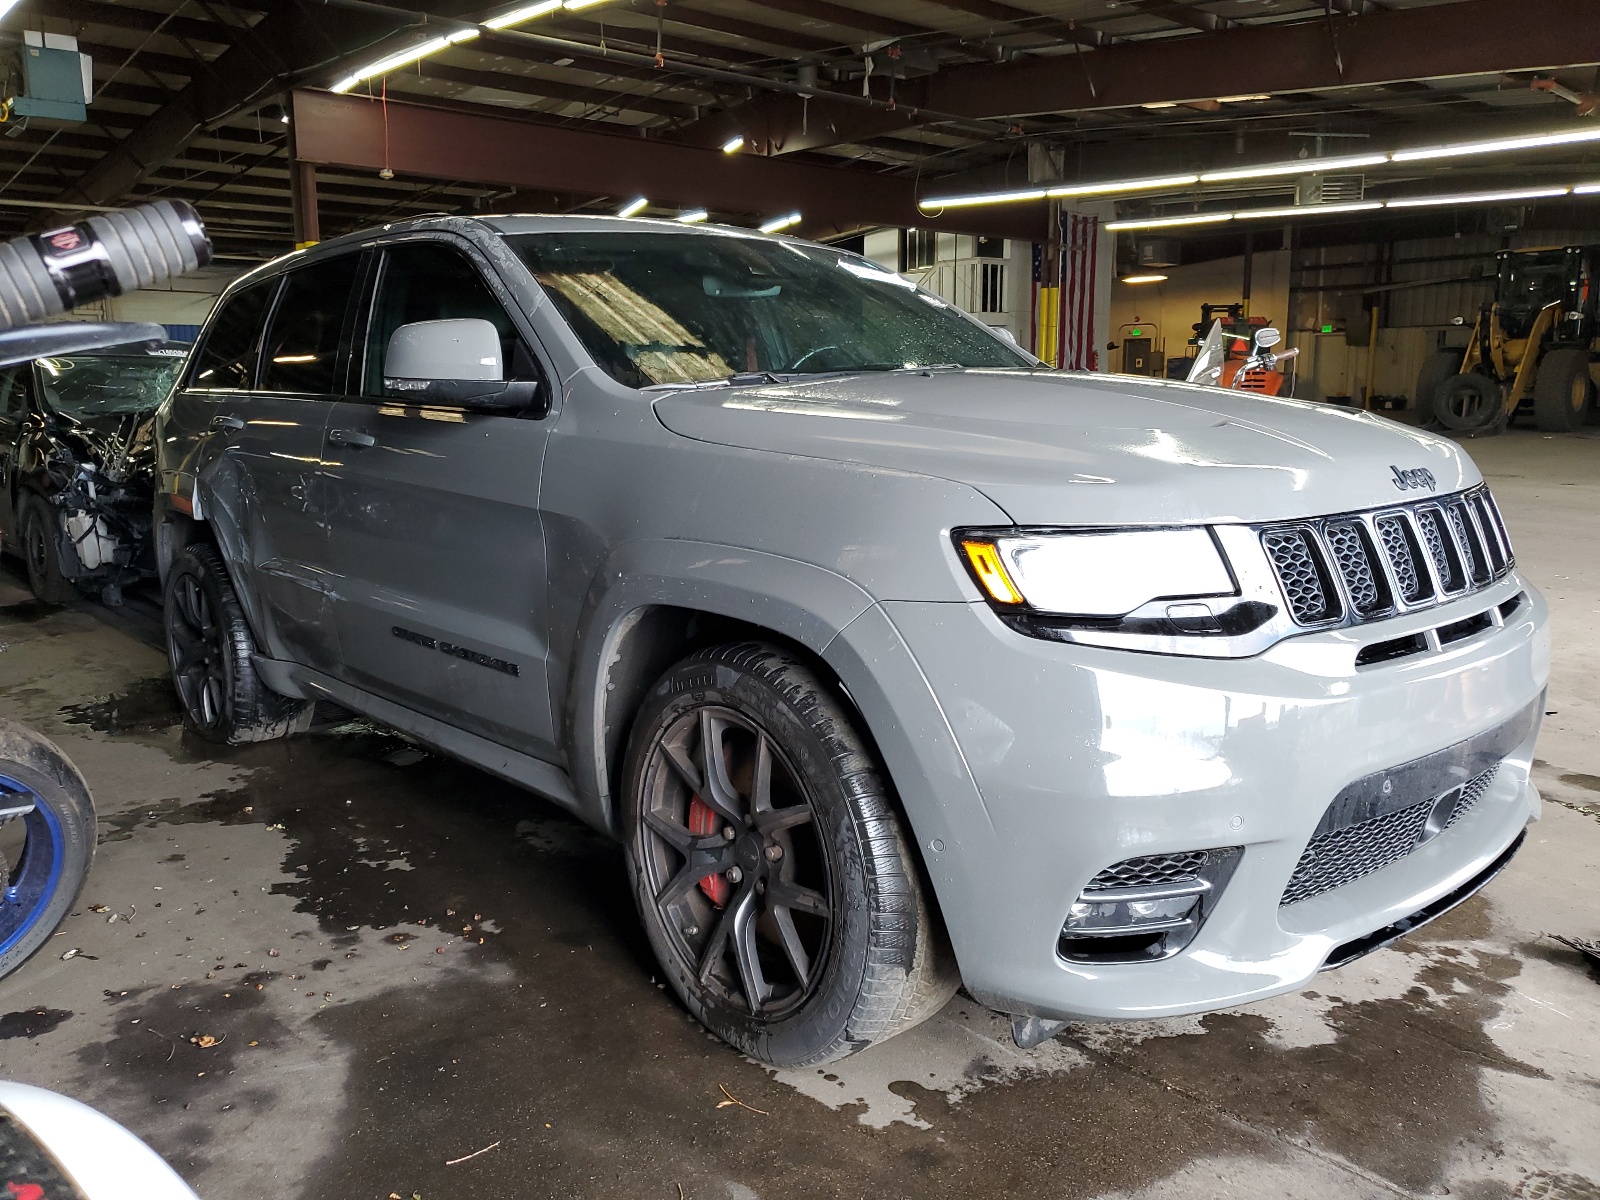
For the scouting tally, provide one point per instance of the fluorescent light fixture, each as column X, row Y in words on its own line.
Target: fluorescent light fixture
column 574, row 5
column 694, row 216
column 403, row 59
column 1161, row 104
column 1477, row 197
column 1304, row 166
column 1245, row 97
column 1586, row 189
column 1123, row 185
column 526, row 13
column 1306, row 210
column 633, row 207
column 1499, row 145
column 1143, row 278
column 982, row 198
column 734, row 144
column 1170, row 222
column 783, row 222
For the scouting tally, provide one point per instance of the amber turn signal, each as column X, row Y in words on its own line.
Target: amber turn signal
column 991, row 572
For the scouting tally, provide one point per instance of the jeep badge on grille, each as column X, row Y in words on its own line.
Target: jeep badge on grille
column 1416, row 477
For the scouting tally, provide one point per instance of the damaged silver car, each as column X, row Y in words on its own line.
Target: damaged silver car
column 76, row 464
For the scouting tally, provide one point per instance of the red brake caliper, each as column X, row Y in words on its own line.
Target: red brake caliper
column 703, row 819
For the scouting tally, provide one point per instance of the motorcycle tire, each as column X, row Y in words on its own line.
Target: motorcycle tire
column 41, row 788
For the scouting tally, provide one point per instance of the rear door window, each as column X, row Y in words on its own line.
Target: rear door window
column 307, row 343
column 226, row 359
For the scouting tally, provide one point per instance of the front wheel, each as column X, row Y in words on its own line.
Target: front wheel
column 46, row 841
column 210, row 647
column 1563, row 392
column 771, row 871
column 39, row 531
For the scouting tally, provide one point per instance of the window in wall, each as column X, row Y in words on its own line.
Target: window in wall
column 921, row 249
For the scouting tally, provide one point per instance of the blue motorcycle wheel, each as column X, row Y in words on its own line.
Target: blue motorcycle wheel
column 44, row 799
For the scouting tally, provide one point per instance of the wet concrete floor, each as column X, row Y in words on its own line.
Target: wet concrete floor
column 402, row 962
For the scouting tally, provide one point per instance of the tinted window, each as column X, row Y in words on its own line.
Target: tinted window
column 304, row 351
column 226, row 359
column 666, row 308
column 428, row 281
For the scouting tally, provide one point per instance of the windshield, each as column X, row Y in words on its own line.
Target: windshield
column 684, row 308
column 101, row 384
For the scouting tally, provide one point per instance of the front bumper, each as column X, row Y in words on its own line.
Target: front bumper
column 1027, row 767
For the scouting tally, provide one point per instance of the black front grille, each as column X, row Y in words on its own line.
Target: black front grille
column 1150, row 871
column 1339, row 856
column 1305, row 581
column 1357, row 566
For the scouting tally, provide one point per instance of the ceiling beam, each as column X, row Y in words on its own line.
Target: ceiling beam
column 349, row 131
column 1471, row 37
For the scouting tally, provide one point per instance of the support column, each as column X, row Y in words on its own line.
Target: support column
column 303, row 199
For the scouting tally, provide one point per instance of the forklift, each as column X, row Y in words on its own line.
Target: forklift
column 1535, row 347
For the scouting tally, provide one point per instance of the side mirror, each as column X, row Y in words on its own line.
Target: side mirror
column 455, row 362
column 1267, row 338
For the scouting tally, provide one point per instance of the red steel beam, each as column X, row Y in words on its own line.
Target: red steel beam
column 437, row 143
column 1471, row 37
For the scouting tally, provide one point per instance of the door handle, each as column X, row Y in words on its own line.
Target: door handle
column 225, row 421
column 350, row 437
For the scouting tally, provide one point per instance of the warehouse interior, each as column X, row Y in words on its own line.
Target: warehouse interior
column 347, row 963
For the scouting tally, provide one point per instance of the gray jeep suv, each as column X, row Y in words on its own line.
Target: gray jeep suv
column 893, row 659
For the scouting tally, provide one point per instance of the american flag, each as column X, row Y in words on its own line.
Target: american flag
column 1064, row 334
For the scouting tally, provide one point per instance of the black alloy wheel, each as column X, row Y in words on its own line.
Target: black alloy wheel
column 197, row 652
column 771, row 869
column 738, row 873
column 212, row 654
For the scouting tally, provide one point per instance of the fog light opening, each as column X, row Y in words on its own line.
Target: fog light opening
column 1145, row 908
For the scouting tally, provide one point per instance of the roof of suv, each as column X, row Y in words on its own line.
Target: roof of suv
column 507, row 223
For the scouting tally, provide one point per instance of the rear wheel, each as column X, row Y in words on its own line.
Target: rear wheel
column 1563, row 393
column 209, row 645
column 1467, row 402
column 46, row 843
column 40, row 535
column 770, row 868
column 1436, row 368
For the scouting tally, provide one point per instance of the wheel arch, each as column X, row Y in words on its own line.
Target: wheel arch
column 655, row 602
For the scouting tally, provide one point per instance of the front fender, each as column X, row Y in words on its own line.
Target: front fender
column 805, row 603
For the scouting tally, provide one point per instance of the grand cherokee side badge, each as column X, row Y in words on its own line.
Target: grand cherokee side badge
column 1416, row 477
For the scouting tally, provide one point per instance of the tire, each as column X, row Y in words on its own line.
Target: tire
column 39, row 534
column 1467, row 403
column 1436, row 368
column 1563, row 392
column 44, row 881
column 859, row 955
column 209, row 646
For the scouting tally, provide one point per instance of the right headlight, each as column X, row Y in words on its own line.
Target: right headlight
column 1162, row 590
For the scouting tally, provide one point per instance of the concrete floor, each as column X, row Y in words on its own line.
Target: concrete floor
column 404, row 962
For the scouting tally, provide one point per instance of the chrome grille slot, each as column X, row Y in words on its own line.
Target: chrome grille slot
column 1301, row 571
column 1467, row 539
column 1491, row 535
column 1405, row 558
column 1442, row 549
column 1358, row 566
